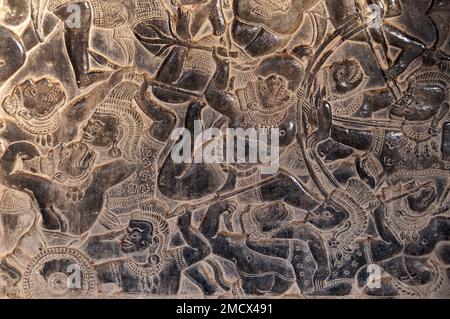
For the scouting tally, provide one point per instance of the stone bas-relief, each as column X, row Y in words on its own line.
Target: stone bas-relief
column 99, row 96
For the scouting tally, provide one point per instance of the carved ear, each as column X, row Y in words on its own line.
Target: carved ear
column 444, row 110
column 119, row 133
column 155, row 243
column 60, row 177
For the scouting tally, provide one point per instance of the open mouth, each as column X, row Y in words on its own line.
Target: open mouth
column 426, row 199
column 125, row 244
column 87, row 137
column 55, row 95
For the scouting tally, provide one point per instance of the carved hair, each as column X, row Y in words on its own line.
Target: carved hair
column 435, row 75
column 119, row 104
column 152, row 213
column 354, row 200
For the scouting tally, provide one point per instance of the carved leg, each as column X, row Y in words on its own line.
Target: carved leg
column 217, row 17
column 146, row 31
column 77, row 45
column 199, row 275
column 411, row 49
column 290, row 191
column 188, row 181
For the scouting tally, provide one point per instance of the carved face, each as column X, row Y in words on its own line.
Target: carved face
column 42, row 97
column 422, row 200
column 101, row 130
column 327, row 216
column 139, row 237
column 423, row 102
column 273, row 91
column 271, row 217
column 75, row 159
column 347, row 75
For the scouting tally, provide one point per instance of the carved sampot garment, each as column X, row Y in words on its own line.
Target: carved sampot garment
column 224, row 148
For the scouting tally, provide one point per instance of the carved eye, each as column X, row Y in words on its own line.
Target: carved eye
column 264, row 89
column 33, row 92
column 67, row 151
column 135, row 235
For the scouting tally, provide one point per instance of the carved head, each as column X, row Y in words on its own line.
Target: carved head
column 423, row 102
column 139, row 236
column 115, row 125
column 347, row 75
column 147, row 230
column 36, row 100
column 273, row 91
column 102, row 130
column 421, row 201
column 72, row 161
column 428, row 95
column 327, row 216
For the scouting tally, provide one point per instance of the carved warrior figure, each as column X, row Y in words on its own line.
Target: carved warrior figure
column 345, row 85
column 117, row 126
column 420, row 225
column 408, row 144
column 142, row 146
column 257, row 30
column 66, row 183
column 335, row 248
column 189, row 65
column 269, row 231
column 115, row 15
column 325, row 254
column 258, row 274
column 268, row 103
column 144, row 263
column 37, row 111
column 362, row 177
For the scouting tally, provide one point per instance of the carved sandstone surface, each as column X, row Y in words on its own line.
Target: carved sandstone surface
column 117, row 178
